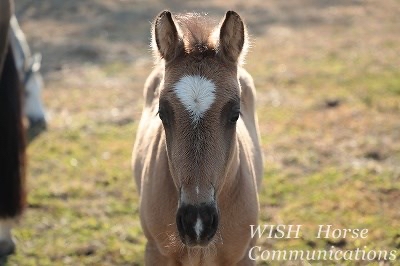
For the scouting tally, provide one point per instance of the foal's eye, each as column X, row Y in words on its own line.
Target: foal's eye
column 234, row 116
column 163, row 114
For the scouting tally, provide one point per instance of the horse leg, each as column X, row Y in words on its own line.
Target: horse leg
column 153, row 257
column 246, row 261
column 7, row 245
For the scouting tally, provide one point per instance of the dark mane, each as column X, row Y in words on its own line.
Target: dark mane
column 198, row 33
column 12, row 141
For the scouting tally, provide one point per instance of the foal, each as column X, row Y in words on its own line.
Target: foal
column 197, row 159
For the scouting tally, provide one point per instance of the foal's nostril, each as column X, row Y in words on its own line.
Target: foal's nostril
column 214, row 226
column 180, row 222
column 207, row 218
column 214, row 220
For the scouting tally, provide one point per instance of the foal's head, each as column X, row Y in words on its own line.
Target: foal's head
column 199, row 106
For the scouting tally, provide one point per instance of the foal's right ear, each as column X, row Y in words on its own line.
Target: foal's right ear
column 167, row 36
column 232, row 37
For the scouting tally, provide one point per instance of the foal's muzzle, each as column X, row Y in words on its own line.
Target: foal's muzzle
column 197, row 224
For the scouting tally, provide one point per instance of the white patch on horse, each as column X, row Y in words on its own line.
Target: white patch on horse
column 198, row 227
column 197, row 94
column 31, row 77
column 197, row 190
column 33, row 103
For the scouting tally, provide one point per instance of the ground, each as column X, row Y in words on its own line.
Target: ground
column 328, row 83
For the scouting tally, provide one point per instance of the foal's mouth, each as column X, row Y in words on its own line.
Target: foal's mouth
column 197, row 224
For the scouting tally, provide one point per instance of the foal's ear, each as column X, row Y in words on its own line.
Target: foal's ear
column 232, row 37
column 167, row 37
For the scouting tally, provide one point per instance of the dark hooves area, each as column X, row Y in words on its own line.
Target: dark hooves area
column 6, row 249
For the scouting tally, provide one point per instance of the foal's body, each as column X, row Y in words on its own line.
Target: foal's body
column 158, row 204
column 236, row 196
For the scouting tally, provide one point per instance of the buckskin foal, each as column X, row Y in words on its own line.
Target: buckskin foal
column 197, row 158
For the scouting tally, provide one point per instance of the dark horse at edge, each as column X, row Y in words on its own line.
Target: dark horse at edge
column 12, row 137
column 20, row 97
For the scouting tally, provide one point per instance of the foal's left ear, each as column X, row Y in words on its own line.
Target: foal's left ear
column 232, row 37
column 167, row 36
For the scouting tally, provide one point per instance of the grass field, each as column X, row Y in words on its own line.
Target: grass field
column 328, row 81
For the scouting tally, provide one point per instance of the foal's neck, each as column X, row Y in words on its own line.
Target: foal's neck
column 233, row 168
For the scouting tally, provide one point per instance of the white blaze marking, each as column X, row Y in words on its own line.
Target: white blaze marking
column 198, row 227
column 206, row 196
column 197, row 190
column 197, row 95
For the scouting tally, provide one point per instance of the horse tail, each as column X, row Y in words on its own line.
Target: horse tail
column 12, row 141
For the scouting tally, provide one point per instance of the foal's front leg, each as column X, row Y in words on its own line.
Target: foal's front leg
column 246, row 261
column 153, row 257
